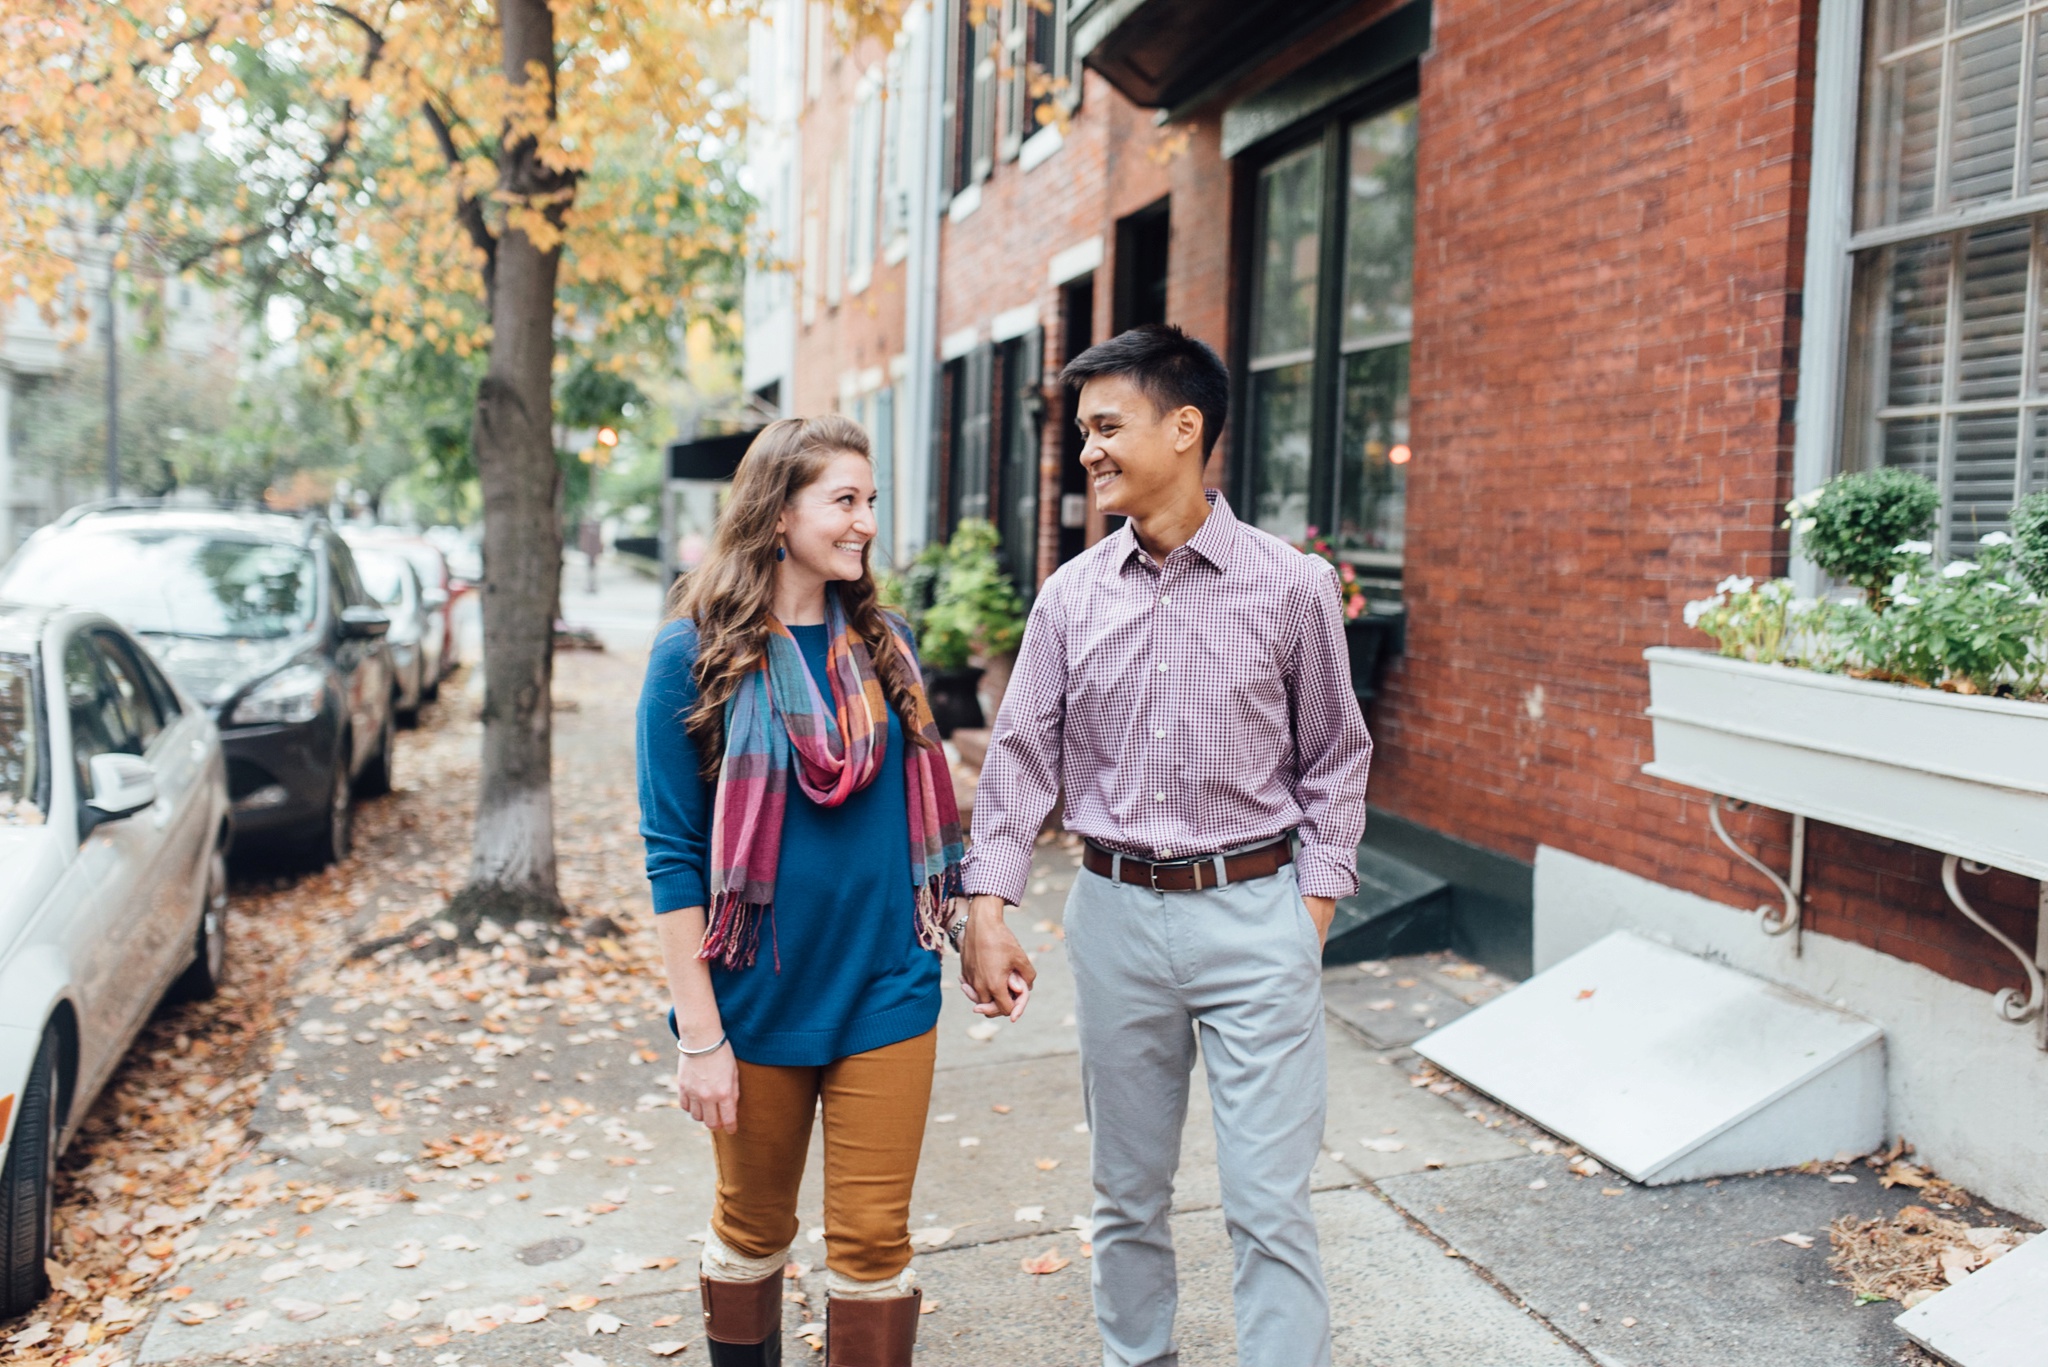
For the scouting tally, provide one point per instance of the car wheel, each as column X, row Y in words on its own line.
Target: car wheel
column 27, row 1187
column 375, row 780
column 336, row 832
column 209, row 964
column 430, row 689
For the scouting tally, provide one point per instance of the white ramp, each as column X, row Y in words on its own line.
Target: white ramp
column 1669, row 1068
column 1995, row 1317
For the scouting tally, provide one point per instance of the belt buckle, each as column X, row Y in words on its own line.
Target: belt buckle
column 1152, row 871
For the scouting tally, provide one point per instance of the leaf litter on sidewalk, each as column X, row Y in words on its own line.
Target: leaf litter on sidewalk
column 166, row 1170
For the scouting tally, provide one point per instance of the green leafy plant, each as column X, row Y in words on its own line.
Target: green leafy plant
column 1864, row 528
column 2030, row 541
column 1968, row 627
column 974, row 608
column 1768, row 623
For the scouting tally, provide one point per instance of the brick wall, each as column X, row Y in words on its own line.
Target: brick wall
column 1609, row 248
column 863, row 331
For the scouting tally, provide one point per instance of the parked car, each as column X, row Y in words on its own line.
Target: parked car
column 391, row 581
column 114, row 819
column 263, row 619
column 439, row 587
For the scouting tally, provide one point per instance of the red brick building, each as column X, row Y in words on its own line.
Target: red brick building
column 1541, row 314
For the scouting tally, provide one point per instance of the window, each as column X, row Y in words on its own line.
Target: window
column 1326, row 428
column 138, row 702
column 1020, row 410
column 864, row 150
column 1950, row 256
column 101, row 720
column 835, row 231
column 972, row 44
column 897, row 173
column 1013, row 77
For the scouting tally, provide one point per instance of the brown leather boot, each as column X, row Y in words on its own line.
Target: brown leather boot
column 878, row 1333
column 743, row 1322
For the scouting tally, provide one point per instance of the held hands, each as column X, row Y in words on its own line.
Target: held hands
column 709, row 1088
column 995, row 972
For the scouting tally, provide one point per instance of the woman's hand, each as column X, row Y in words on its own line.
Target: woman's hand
column 995, row 972
column 709, row 1088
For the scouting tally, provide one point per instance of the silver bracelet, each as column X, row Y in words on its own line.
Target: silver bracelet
column 707, row 1049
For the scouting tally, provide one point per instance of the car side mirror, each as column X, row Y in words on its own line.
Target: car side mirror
column 122, row 785
column 362, row 622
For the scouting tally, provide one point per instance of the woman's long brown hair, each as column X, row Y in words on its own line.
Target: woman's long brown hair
column 731, row 595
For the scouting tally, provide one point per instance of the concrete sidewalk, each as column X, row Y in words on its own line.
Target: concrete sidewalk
column 1454, row 1235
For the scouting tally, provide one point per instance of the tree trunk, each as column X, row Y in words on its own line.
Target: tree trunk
column 512, row 870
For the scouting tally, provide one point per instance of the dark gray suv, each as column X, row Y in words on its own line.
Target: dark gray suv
column 262, row 617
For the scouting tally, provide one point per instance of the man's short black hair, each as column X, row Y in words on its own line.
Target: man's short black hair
column 1174, row 369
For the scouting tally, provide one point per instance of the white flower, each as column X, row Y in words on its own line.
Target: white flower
column 1994, row 539
column 1698, row 608
column 1995, row 587
column 1898, row 584
column 1956, row 569
column 1735, row 584
column 1914, row 548
column 1907, row 600
column 1807, row 524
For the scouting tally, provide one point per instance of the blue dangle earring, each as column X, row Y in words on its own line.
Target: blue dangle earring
column 782, row 552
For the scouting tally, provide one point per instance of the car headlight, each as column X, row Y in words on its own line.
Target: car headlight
column 290, row 695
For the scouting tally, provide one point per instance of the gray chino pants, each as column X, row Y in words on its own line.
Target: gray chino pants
column 1242, row 966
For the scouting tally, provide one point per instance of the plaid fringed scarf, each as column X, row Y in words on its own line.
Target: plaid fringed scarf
column 839, row 750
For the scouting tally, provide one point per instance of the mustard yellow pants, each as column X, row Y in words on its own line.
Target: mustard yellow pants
column 874, row 1108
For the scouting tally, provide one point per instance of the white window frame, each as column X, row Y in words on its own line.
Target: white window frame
column 1820, row 426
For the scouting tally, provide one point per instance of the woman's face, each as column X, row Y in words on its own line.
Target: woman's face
column 828, row 523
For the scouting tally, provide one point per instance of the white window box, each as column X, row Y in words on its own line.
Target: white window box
column 1966, row 776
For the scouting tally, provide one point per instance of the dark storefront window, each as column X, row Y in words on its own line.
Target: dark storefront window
column 1332, row 252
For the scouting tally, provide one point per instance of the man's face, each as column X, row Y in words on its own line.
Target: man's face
column 1135, row 454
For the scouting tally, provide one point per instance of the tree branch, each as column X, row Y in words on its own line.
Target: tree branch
column 469, row 211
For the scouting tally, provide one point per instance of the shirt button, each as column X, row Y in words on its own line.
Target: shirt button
column 1159, row 734
column 1164, row 600
column 1162, row 669
column 1159, row 797
column 1166, row 854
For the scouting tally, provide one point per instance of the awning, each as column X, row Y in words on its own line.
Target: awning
column 1162, row 53
column 713, row 458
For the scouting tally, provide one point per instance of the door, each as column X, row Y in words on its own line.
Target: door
column 92, row 915
column 175, row 746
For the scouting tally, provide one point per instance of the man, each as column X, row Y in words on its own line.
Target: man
column 1184, row 683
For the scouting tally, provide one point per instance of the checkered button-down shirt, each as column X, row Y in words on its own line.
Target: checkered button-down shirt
column 1187, row 708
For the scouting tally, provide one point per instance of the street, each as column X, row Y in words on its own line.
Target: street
column 431, row 1154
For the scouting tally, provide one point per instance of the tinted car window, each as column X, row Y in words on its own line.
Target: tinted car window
column 171, row 581
column 100, row 724
column 138, row 700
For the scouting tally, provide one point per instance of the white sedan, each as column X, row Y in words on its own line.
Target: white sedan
column 113, row 819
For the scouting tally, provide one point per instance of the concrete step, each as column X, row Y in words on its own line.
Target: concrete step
column 1669, row 1068
column 1995, row 1317
column 1398, row 909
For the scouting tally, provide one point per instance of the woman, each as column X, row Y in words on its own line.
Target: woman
column 800, row 924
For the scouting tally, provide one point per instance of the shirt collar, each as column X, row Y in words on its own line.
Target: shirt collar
column 1213, row 540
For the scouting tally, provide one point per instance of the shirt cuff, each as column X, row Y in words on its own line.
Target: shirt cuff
column 676, row 890
column 1326, row 873
column 990, row 872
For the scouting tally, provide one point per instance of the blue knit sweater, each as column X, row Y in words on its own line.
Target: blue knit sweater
column 840, row 971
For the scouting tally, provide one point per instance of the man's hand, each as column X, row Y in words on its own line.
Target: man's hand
column 1321, row 910
column 992, row 963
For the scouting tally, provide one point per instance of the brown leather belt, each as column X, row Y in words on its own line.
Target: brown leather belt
column 1189, row 875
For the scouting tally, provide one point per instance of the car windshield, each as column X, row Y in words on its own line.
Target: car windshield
column 173, row 582
column 19, row 745
column 383, row 575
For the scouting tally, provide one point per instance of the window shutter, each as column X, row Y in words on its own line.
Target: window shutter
column 1020, row 473
column 975, row 455
column 981, row 117
column 951, row 182
column 1013, row 74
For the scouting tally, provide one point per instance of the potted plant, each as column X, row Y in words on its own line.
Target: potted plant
column 966, row 609
column 1917, row 710
column 1370, row 638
